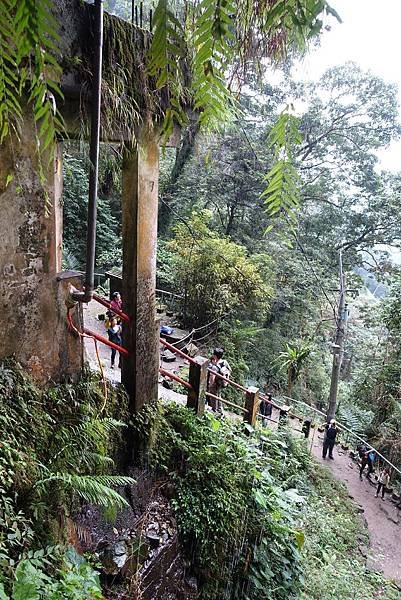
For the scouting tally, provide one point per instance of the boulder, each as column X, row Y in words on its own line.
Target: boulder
column 168, row 356
column 114, row 557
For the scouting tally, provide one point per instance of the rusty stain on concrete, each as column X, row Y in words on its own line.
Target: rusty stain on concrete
column 140, row 201
column 31, row 300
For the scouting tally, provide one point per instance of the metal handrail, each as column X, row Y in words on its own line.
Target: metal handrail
column 229, row 381
column 104, row 340
column 108, row 305
column 172, row 294
column 177, row 351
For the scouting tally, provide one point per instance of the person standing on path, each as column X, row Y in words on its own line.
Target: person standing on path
column 219, row 366
column 384, row 480
column 266, row 408
column 114, row 333
column 330, row 438
column 116, row 302
column 367, row 459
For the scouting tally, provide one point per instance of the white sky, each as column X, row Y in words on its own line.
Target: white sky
column 370, row 35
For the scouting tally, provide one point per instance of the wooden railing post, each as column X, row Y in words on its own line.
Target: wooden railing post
column 198, row 379
column 251, row 405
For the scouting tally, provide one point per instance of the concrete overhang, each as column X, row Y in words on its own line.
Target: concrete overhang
column 130, row 99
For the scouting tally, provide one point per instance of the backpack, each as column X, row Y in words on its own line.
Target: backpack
column 225, row 370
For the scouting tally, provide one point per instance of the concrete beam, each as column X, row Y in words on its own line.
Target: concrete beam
column 139, row 210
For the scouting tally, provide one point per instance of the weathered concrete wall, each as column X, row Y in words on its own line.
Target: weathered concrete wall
column 31, row 299
column 139, row 206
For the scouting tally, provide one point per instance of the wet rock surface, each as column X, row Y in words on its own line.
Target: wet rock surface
column 139, row 551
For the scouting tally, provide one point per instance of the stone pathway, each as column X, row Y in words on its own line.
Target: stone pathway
column 91, row 312
column 381, row 517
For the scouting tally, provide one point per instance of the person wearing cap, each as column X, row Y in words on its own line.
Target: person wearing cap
column 330, row 439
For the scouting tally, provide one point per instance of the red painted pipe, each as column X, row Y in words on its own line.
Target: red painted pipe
column 179, row 352
column 104, row 340
column 107, row 304
column 176, row 378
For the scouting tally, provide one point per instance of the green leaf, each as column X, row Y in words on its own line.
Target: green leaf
column 300, row 538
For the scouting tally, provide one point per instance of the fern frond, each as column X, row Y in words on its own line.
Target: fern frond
column 214, row 45
column 10, row 107
column 282, row 195
column 165, row 53
column 92, row 489
column 28, row 41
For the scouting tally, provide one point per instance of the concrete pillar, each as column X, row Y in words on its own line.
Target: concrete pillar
column 32, row 306
column 198, row 379
column 139, row 216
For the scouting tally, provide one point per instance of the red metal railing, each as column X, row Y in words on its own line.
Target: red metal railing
column 177, row 351
column 108, row 305
column 175, row 377
column 104, row 340
column 229, row 381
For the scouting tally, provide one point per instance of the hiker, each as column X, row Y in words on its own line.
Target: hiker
column 330, row 438
column 384, row 480
column 361, row 449
column 114, row 333
column 218, row 366
column 266, row 408
column 368, row 458
column 116, row 302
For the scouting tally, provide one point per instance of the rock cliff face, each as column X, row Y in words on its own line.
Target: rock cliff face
column 140, row 554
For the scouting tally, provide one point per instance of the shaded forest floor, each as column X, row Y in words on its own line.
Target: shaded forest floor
column 382, row 518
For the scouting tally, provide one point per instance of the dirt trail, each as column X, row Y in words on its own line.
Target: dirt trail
column 381, row 517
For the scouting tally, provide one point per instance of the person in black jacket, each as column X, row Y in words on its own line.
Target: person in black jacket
column 266, row 408
column 330, row 438
column 114, row 333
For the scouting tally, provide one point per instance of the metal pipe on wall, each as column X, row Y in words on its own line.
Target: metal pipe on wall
column 94, row 151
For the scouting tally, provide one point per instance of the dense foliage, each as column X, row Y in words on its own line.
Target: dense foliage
column 334, row 536
column 55, row 448
column 238, row 523
column 216, row 276
column 257, row 518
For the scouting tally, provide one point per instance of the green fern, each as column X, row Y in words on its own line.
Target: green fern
column 29, row 72
column 10, row 107
column 282, row 194
column 165, row 53
column 214, row 45
column 85, row 444
column 92, row 489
